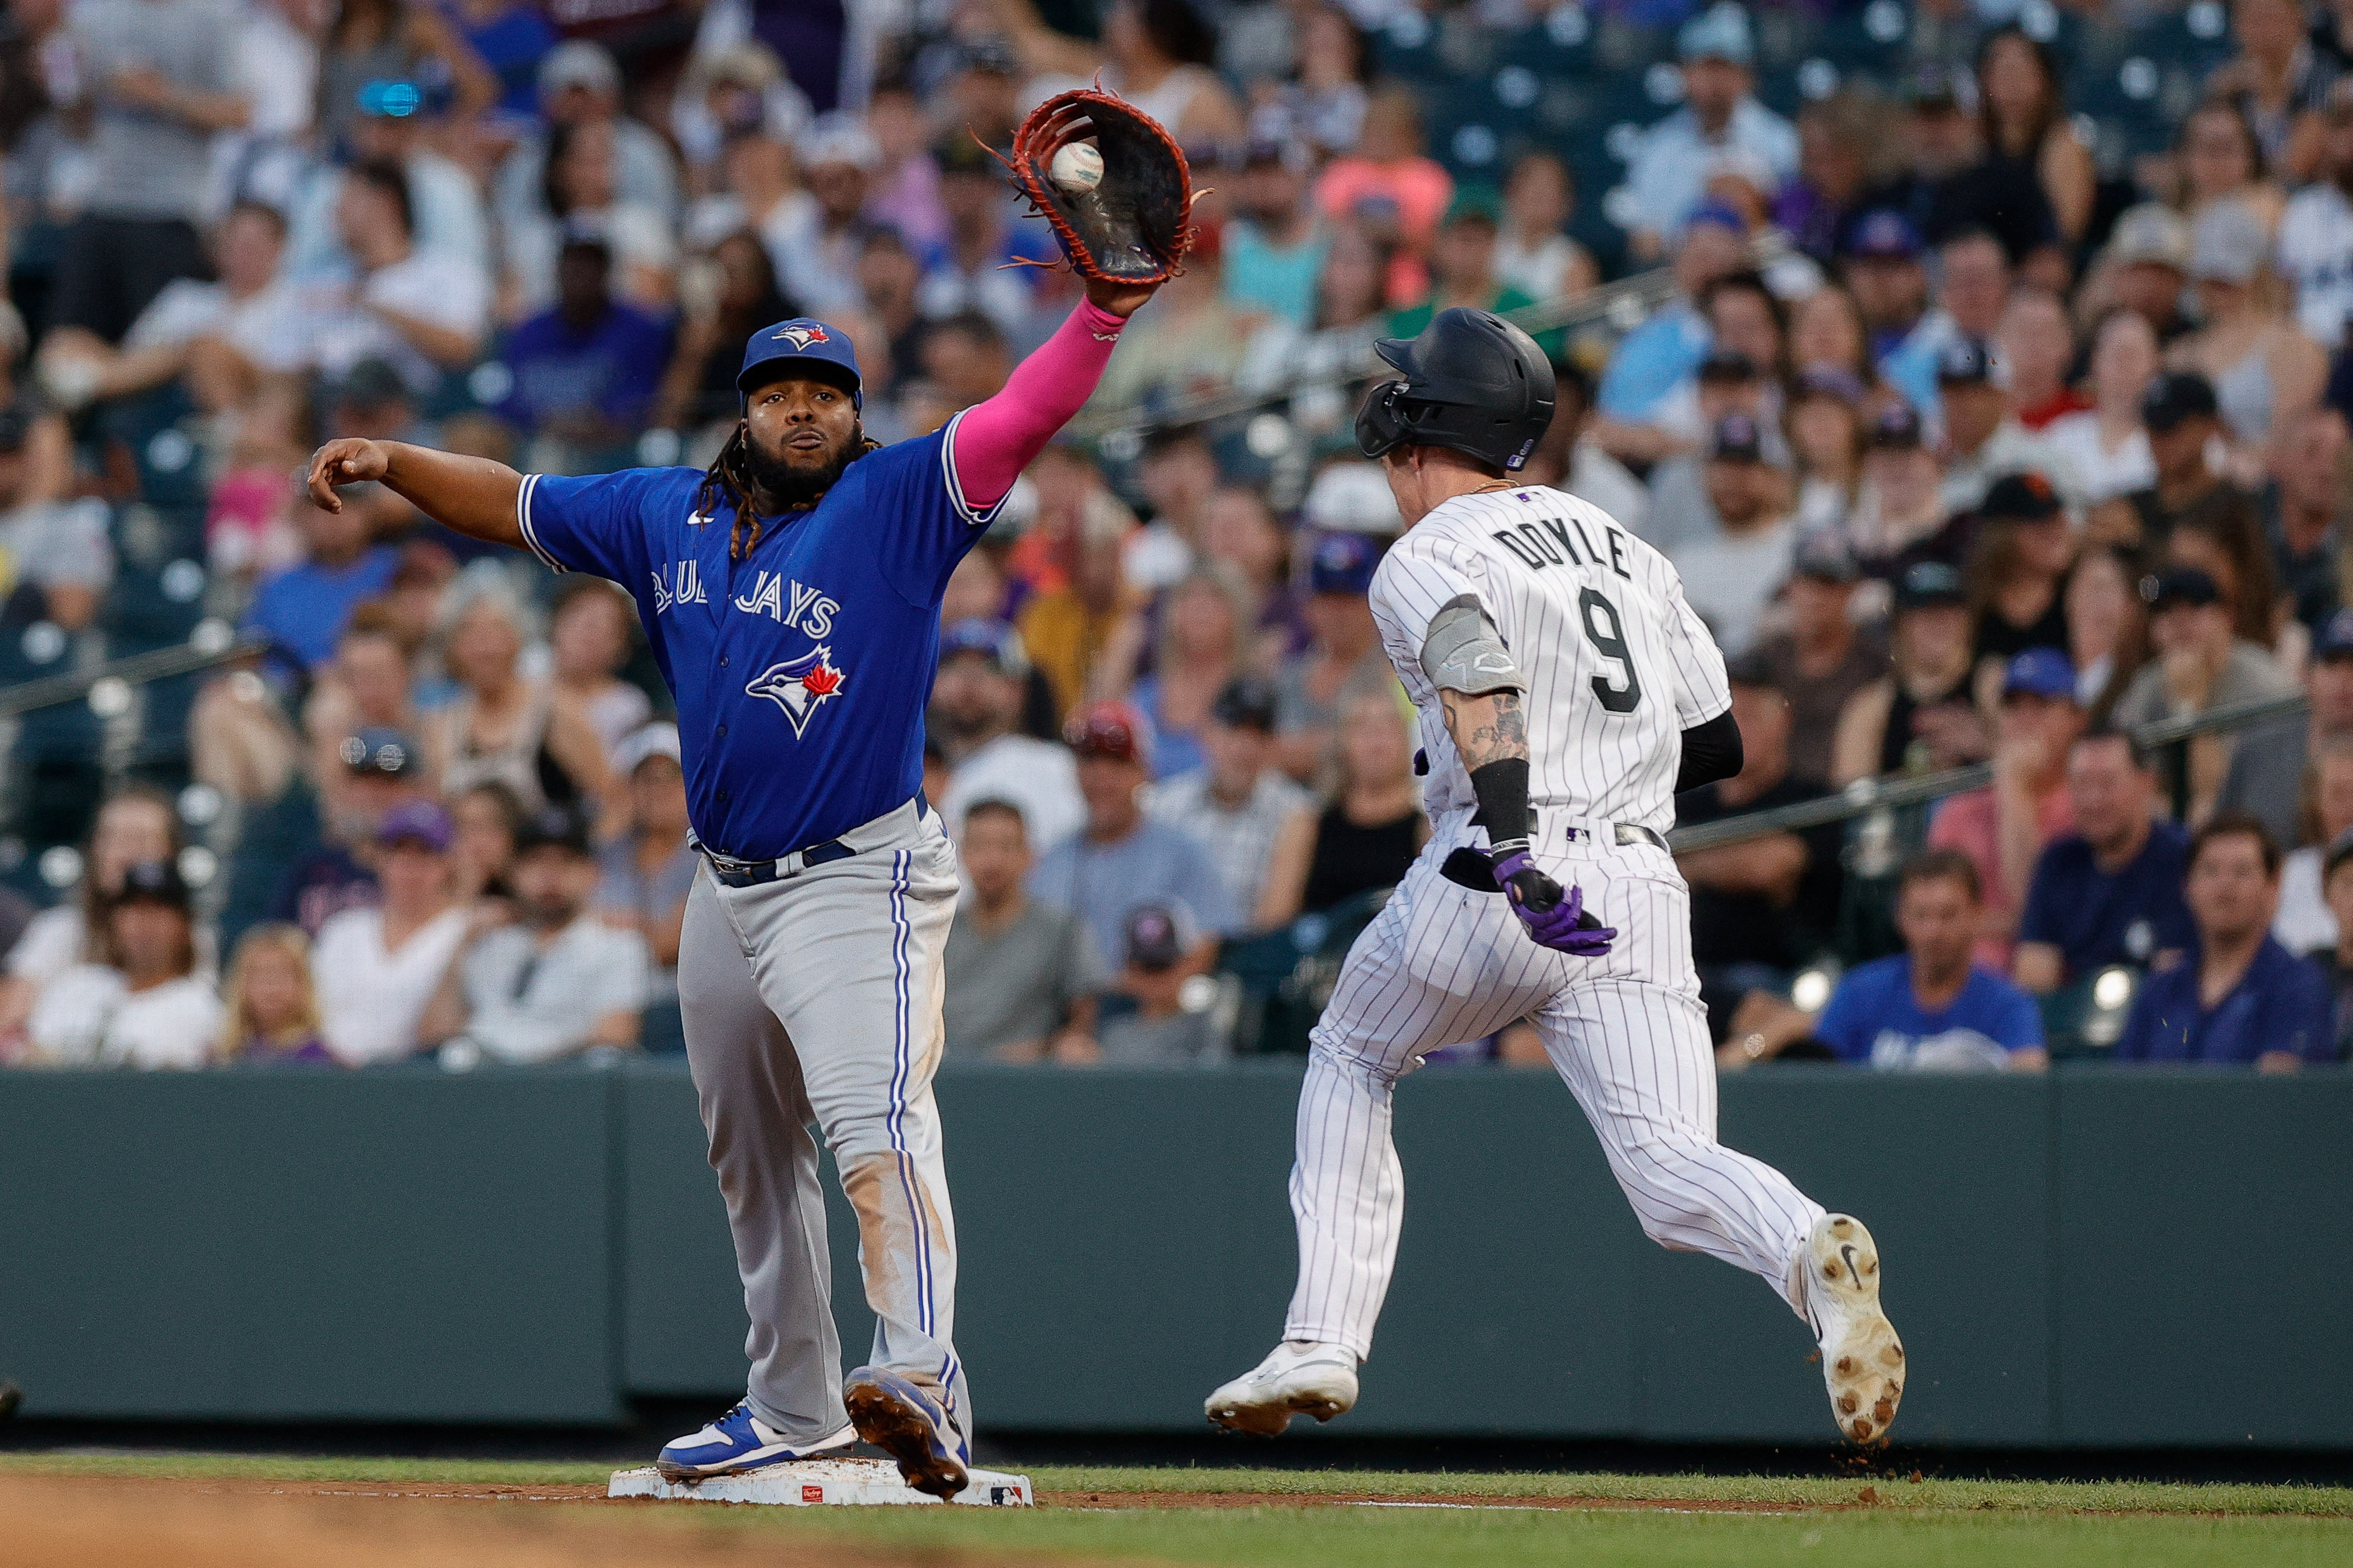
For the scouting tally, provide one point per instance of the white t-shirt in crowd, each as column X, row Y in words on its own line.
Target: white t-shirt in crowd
column 371, row 999
column 89, row 1017
column 1731, row 578
column 2316, row 255
column 2304, row 923
column 426, row 286
column 52, row 944
column 1039, row 776
column 2085, row 472
column 266, row 327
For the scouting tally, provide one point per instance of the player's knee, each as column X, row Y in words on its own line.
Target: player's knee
column 1333, row 1053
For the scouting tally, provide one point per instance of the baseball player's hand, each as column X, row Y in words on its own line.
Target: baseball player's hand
column 347, row 460
column 1122, row 299
column 1561, row 924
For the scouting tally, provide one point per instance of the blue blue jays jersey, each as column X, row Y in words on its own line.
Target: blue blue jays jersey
column 802, row 671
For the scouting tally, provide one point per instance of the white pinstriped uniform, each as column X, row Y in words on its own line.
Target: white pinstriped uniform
column 1617, row 667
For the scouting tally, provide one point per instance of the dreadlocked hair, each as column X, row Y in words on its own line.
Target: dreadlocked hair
column 727, row 480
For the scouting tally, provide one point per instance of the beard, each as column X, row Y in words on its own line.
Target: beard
column 792, row 487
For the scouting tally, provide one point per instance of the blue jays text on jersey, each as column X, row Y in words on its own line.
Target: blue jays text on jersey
column 802, row 671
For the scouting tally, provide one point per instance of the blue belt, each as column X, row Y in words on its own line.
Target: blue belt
column 734, row 873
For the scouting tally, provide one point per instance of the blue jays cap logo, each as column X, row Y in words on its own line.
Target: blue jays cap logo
column 799, row 686
column 801, row 337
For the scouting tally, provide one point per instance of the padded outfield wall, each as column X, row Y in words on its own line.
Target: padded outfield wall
column 2091, row 1259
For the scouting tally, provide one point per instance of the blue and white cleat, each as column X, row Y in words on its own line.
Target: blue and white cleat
column 908, row 1424
column 737, row 1442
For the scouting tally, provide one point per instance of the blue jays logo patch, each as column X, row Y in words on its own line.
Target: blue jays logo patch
column 801, row 337
column 799, row 686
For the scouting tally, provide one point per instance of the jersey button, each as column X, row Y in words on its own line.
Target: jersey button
column 722, row 797
column 722, row 661
column 723, row 729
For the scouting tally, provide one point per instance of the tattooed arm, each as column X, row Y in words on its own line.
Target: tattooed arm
column 1487, row 727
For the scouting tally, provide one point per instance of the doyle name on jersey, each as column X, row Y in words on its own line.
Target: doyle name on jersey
column 789, row 664
column 1617, row 664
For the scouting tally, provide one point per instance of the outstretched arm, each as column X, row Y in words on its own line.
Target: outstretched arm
column 994, row 440
column 474, row 495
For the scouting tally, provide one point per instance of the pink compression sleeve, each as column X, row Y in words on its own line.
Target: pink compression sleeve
column 994, row 440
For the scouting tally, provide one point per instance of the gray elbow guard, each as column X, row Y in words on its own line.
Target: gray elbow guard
column 1464, row 653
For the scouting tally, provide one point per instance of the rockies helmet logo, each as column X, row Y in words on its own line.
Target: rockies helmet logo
column 798, row 685
column 801, row 337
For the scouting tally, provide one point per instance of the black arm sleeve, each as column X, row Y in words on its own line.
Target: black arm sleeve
column 1502, row 787
column 1711, row 751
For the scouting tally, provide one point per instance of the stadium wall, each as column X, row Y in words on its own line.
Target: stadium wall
column 2091, row 1259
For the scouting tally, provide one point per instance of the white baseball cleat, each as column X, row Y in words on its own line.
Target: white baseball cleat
column 1862, row 1360
column 1300, row 1377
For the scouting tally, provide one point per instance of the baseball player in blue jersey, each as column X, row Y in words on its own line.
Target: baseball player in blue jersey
column 791, row 594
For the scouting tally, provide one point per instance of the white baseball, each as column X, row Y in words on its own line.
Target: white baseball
column 1077, row 166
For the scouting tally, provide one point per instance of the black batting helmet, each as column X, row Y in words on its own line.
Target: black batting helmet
column 1473, row 382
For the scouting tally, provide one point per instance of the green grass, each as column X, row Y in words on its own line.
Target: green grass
column 1959, row 1524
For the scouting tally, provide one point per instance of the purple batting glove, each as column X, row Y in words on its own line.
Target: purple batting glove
column 1553, row 922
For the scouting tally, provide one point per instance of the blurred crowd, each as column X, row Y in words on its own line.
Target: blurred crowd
column 1971, row 443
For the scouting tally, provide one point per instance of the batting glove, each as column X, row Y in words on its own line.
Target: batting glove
column 1561, row 924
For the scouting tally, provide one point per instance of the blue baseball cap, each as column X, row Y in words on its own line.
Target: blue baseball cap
column 994, row 640
column 809, row 347
column 2336, row 639
column 1884, row 234
column 2043, row 672
column 1342, row 564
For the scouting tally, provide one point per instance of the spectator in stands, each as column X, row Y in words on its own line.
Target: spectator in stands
column 524, row 732
column 1680, row 512
column 1972, row 285
column 1193, row 343
column 1068, row 628
column 2304, row 923
column 2024, row 123
column 1568, row 457
column 1239, row 536
column 2263, row 370
column 1919, row 717
column 2269, row 763
column 1159, row 53
column 2018, row 569
column 1370, row 827
column 554, row 980
column 160, row 80
column 2109, row 892
column 424, row 312
column 2229, row 548
column 1389, row 186
column 975, row 709
column 585, row 368
column 133, row 827
column 971, row 273
column 484, row 822
column 1983, row 444
column 143, row 1005
column 377, row 965
column 1345, row 655
column 1122, row 859
column 580, row 199
column 383, row 770
column 1840, row 139
column 1763, row 907
column 2035, row 345
column 1534, row 253
column 2103, row 452
column 2316, row 229
column 966, row 358
column 1731, row 578
column 364, row 685
column 1823, row 425
column 2200, row 665
column 219, row 338
column 648, row 869
column 1651, row 360
column 2183, row 416
column 2278, row 82
column 2145, row 266
column 270, row 1008
column 2219, row 160
column 1720, row 116
column 1883, row 268
column 1206, row 633
column 2307, row 507
column 1954, row 181
column 590, row 632
column 2004, row 826
column 1021, row 975
column 372, row 43
column 303, row 609
column 1927, row 1009
column 579, row 83
column 1237, row 803
column 1899, row 515
column 1745, row 323
column 1462, row 269
column 1161, row 1030
column 1828, row 339
column 2107, row 627
column 700, row 384
column 1821, row 658
column 2237, row 996
column 60, row 550
column 817, row 258
column 1273, row 245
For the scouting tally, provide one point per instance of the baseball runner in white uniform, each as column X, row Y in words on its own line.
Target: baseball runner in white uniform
column 1566, row 692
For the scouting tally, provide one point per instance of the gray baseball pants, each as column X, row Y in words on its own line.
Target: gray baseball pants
column 816, row 998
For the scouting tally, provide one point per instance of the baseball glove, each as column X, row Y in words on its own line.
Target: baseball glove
column 1132, row 226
